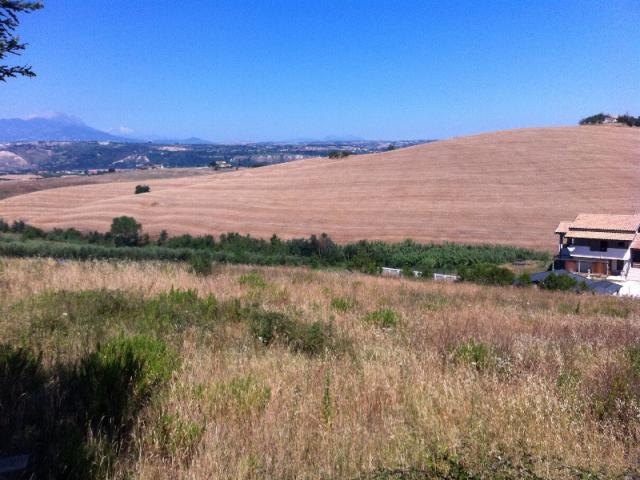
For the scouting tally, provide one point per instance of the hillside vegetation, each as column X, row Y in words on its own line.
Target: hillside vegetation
column 504, row 187
column 126, row 240
column 143, row 370
column 600, row 118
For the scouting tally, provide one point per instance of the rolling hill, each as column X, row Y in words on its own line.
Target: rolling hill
column 510, row 187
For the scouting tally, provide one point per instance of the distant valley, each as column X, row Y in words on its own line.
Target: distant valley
column 63, row 144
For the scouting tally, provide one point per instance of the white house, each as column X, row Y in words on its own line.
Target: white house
column 600, row 244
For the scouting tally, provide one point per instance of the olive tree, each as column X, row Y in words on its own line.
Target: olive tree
column 125, row 232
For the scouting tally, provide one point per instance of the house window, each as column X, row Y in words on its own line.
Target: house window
column 598, row 245
column 621, row 245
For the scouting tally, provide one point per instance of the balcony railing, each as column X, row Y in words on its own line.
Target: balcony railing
column 586, row 252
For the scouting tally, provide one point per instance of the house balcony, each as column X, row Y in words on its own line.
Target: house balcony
column 586, row 253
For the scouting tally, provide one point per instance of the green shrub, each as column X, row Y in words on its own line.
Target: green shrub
column 562, row 283
column 486, row 274
column 339, row 154
column 178, row 309
column 125, row 232
column 343, row 304
column 383, row 318
column 117, row 380
column 310, row 338
column 407, row 272
column 201, row 263
column 475, row 354
column 524, row 280
column 74, row 419
column 142, row 189
column 427, row 267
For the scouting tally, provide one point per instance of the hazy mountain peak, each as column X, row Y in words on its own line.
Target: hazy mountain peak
column 52, row 126
column 55, row 117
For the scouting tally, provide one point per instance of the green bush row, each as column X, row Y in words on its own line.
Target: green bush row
column 124, row 241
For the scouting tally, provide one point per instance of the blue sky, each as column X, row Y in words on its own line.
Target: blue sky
column 263, row 70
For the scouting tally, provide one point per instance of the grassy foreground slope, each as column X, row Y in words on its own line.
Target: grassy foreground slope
column 294, row 373
column 504, row 187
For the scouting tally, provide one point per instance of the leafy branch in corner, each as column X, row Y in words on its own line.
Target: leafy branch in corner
column 10, row 43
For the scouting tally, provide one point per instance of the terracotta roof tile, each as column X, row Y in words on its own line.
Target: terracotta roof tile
column 616, row 223
column 591, row 235
column 563, row 227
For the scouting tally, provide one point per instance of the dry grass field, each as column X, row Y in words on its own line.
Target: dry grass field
column 504, row 187
column 12, row 185
column 449, row 378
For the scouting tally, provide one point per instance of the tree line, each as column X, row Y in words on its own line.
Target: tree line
column 600, row 118
column 126, row 240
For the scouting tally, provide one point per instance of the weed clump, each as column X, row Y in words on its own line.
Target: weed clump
column 178, row 309
column 244, row 395
column 178, row 438
column 252, row 280
column 475, row 354
column 309, row 338
column 343, row 304
column 383, row 318
column 616, row 396
column 436, row 301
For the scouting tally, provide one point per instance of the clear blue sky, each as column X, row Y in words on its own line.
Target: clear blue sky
column 259, row 70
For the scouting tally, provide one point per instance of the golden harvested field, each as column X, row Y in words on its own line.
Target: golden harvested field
column 496, row 382
column 12, row 185
column 504, row 187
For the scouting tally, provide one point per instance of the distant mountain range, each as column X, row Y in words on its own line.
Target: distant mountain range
column 58, row 127
column 64, row 128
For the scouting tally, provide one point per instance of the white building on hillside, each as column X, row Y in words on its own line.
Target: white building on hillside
column 601, row 245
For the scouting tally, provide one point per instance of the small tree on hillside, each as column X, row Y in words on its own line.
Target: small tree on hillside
column 9, row 42
column 594, row 119
column 125, row 232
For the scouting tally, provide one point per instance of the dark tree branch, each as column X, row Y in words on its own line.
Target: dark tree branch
column 9, row 42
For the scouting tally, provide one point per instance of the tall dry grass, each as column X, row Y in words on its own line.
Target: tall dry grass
column 397, row 397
